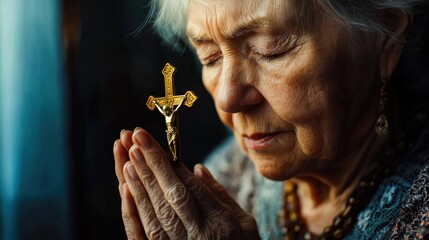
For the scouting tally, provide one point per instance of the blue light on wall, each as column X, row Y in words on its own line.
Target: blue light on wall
column 34, row 201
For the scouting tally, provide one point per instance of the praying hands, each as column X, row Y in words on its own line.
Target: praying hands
column 164, row 200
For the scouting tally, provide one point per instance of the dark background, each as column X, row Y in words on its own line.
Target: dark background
column 111, row 73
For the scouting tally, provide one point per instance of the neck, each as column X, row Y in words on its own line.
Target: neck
column 323, row 196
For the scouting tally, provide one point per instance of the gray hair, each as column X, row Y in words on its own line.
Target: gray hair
column 170, row 19
column 169, row 16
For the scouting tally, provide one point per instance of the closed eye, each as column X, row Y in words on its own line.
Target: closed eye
column 280, row 49
column 212, row 59
column 271, row 56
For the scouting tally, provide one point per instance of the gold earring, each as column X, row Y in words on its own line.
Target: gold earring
column 382, row 126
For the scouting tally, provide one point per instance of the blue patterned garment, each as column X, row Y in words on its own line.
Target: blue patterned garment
column 264, row 198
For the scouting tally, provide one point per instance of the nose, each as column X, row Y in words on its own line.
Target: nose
column 237, row 88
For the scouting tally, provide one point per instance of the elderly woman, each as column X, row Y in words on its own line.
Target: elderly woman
column 324, row 146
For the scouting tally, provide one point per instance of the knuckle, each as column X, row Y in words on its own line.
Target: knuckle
column 156, row 233
column 165, row 212
column 126, row 218
column 147, row 179
column 177, row 195
column 130, row 235
column 175, row 229
column 170, row 221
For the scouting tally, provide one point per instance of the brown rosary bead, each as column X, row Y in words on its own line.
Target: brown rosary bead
column 351, row 201
column 337, row 221
column 338, row 234
column 327, row 230
column 308, row 236
column 348, row 222
column 347, row 211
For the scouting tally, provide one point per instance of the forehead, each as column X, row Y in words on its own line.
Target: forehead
column 234, row 17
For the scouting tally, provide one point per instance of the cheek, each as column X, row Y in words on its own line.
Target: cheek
column 303, row 106
column 295, row 92
column 292, row 87
column 301, row 94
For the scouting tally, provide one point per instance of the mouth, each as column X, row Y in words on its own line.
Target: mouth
column 261, row 141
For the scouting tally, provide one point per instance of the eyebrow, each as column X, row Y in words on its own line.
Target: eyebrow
column 240, row 31
column 197, row 37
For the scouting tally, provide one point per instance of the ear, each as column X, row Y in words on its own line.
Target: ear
column 399, row 23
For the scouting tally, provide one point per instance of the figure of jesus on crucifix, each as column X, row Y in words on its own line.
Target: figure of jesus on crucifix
column 172, row 131
column 169, row 105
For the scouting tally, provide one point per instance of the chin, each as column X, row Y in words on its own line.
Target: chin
column 276, row 169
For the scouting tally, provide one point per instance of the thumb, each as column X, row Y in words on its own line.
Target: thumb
column 204, row 175
column 248, row 223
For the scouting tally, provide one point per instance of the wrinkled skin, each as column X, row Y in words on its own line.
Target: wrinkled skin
column 161, row 200
column 302, row 87
column 301, row 100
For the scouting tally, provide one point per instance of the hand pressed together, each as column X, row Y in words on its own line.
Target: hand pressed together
column 164, row 200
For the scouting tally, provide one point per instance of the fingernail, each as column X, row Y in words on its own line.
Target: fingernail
column 198, row 171
column 137, row 128
column 143, row 139
column 121, row 132
column 132, row 172
column 137, row 154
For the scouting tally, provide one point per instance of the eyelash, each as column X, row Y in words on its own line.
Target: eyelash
column 268, row 57
column 212, row 60
column 289, row 45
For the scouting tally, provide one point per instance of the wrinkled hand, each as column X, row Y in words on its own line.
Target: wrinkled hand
column 164, row 200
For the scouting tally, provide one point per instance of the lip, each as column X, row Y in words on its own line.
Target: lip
column 261, row 141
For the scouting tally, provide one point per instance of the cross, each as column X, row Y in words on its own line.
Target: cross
column 170, row 99
column 168, row 106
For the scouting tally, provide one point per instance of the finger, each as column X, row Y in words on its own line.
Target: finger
column 145, row 210
column 149, row 153
column 248, row 223
column 126, row 138
column 226, row 212
column 204, row 175
column 203, row 196
column 121, row 157
column 130, row 216
column 158, row 217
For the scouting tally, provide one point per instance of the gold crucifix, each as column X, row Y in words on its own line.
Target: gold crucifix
column 168, row 106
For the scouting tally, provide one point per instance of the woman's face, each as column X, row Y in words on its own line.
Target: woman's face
column 286, row 80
